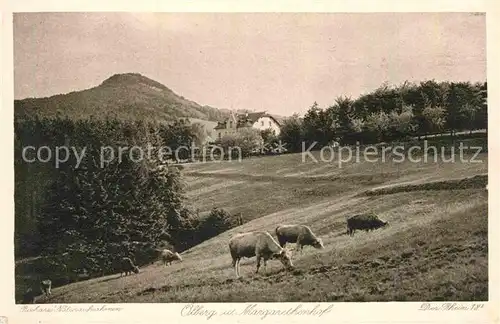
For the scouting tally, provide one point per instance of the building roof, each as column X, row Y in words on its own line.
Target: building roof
column 253, row 117
column 246, row 119
column 222, row 125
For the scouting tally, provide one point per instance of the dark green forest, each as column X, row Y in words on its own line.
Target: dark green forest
column 80, row 218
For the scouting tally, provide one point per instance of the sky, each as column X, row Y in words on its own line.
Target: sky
column 280, row 63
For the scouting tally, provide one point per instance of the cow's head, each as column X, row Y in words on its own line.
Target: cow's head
column 136, row 269
column 285, row 258
column 178, row 256
column 318, row 244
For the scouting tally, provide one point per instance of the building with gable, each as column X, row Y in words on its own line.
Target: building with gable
column 257, row 120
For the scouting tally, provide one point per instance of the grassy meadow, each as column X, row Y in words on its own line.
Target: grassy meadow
column 436, row 247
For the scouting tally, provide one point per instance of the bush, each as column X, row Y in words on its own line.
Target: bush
column 378, row 125
column 292, row 133
column 218, row 221
column 242, row 143
column 196, row 229
column 401, row 124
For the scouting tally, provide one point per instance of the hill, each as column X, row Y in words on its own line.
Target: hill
column 436, row 247
column 125, row 96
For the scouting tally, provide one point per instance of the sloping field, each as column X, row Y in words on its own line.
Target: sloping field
column 260, row 186
column 435, row 248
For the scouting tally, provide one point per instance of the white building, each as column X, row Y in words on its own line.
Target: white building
column 258, row 120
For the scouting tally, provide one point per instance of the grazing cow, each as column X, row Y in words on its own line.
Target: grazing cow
column 45, row 286
column 299, row 234
column 259, row 244
column 127, row 266
column 366, row 222
column 168, row 256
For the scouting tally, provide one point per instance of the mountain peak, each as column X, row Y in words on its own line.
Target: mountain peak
column 124, row 79
column 129, row 96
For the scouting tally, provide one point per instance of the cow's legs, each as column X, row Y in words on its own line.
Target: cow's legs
column 235, row 265
column 238, row 267
column 258, row 264
column 298, row 247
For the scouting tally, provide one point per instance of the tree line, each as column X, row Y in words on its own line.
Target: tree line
column 391, row 114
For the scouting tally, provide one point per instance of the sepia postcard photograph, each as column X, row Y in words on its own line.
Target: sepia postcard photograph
column 311, row 158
